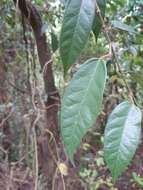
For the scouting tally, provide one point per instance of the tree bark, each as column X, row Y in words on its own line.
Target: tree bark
column 47, row 149
column 48, row 165
column 4, row 124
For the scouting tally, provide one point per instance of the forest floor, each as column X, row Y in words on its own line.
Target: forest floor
column 127, row 181
column 131, row 179
column 15, row 177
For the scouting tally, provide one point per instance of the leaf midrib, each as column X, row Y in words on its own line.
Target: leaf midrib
column 83, row 99
column 116, row 163
column 75, row 31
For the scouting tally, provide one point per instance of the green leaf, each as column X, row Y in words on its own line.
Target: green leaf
column 77, row 24
column 97, row 24
column 121, row 26
column 137, row 76
column 81, row 103
column 122, row 135
column 138, row 179
column 54, row 41
column 65, row 2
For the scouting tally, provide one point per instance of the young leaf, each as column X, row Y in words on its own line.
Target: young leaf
column 81, row 103
column 122, row 136
column 97, row 24
column 77, row 24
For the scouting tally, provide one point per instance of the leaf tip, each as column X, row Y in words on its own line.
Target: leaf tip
column 71, row 157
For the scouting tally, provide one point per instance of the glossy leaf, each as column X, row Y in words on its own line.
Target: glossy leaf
column 97, row 24
column 77, row 24
column 81, row 103
column 122, row 136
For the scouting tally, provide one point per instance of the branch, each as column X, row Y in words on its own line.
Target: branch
column 131, row 95
column 33, row 17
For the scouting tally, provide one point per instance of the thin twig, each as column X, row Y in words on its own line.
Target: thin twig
column 57, row 161
column 45, row 66
column 18, row 89
column 35, row 136
column 6, row 118
column 131, row 96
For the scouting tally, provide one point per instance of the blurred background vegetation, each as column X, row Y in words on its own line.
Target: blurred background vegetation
column 20, row 76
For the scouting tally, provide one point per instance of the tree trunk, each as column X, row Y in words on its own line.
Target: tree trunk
column 4, row 124
column 47, row 149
